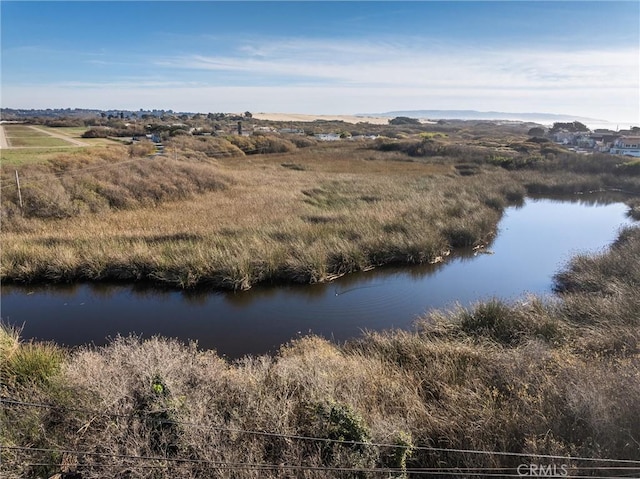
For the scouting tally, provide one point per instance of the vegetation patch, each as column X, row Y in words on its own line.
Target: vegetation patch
column 533, row 377
column 262, row 208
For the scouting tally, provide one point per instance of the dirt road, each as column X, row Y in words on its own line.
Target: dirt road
column 60, row 136
column 3, row 139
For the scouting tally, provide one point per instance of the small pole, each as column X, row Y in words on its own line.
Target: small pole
column 19, row 192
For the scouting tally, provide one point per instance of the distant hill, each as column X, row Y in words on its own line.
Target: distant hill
column 484, row 115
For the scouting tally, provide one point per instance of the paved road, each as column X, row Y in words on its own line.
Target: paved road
column 3, row 139
column 60, row 136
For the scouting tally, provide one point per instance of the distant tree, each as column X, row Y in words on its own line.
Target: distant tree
column 536, row 131
column 247, row 114
column 404, row 120
column 573, row 127
column 96, row 133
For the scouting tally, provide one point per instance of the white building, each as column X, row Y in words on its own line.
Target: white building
column 328, row 136
column 627, row 146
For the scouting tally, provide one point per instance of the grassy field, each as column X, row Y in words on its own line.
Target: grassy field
column 76, row 132
column 334, row 212
column 42, row 141
column 22, row 131
column 212, row 215
column 29, row 146
column 558, row 377
column 72, row 131
column 24, row 156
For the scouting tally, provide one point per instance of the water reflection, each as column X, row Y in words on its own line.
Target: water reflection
column 533, row 242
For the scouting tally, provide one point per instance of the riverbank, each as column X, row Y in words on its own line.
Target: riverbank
column 374, row 300
column 305, row 216
column 558, row 378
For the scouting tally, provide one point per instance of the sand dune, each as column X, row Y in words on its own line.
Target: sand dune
column 303, row 117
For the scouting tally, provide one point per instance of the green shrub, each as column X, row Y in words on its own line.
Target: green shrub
column 33, row 363
column 493, row 319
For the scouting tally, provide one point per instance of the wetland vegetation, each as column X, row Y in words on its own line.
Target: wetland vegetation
column 230, row 212
column 558, row 376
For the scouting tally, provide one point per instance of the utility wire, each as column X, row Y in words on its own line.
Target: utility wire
column 326, row 440
column 296, row 467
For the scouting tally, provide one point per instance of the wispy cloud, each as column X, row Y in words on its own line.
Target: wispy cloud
column 334, row 76
column 416, row 64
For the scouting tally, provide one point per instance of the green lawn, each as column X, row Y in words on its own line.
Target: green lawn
column 28, row 155
column 72, row 131
column 21, row 131
column 36, row 141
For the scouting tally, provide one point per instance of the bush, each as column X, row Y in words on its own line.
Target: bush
column 24, row 363
column 404, row 120
column 96, row 133
column 141, row 148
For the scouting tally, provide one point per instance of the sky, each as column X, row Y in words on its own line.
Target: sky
column 564, row 57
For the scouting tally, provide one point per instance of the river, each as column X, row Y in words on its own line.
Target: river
column 534, row 241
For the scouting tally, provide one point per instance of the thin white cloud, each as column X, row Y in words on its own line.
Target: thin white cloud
column 313, row 76
column 417, row 65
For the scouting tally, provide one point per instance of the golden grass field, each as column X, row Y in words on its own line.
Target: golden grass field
column 326, row 212
column 558, row 376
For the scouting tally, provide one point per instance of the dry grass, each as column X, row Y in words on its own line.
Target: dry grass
column 534, row 377
column 342, row 211
column 526, row 377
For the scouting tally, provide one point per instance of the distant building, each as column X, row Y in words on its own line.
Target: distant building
column 585, row 141
column 564, row 137
column 291, row 131
column 328, row 136
column 627, row 146
column 364, row 137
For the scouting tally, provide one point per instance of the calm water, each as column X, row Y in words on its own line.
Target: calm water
column 534, row 241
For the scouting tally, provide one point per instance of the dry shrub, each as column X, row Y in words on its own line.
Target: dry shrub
column 302, row 141
column 141, row 148
column 103, row 185
column 47, row 200
column 212, row 146
column 262, row 143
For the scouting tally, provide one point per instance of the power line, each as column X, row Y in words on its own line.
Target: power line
column 296, row 467
column 327, row 440
column 244, row 465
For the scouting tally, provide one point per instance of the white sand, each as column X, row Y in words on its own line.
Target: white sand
column 375, row 120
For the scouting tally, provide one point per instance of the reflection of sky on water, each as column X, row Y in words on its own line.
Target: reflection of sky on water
column 533, row 243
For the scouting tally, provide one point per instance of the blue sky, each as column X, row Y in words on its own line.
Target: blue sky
column 579, row 58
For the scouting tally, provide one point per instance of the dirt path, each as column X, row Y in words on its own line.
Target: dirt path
column 60, row 136
column 3, row 139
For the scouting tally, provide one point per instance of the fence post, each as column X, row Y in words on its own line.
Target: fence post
column 18, row 185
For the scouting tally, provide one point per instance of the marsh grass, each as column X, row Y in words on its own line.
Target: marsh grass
column 337, row 212
column 523, row 377
column 23, row 363
column 217, row 216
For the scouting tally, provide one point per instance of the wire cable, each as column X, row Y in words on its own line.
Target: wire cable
column 335, row 441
